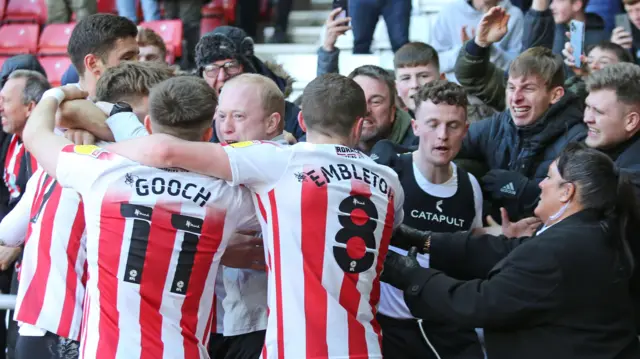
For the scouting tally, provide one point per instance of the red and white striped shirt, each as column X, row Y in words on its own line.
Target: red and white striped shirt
column 12, row 163
column 154, row 242
column 327, row 214
column 52, row 275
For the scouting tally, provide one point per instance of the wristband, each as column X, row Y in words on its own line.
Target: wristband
column 56, row 93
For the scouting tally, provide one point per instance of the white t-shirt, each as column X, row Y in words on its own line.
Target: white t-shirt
column 327, row 214
column 392, row 299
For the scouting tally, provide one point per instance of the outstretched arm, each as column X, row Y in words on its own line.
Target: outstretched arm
column 165, row 151
column 38, row 135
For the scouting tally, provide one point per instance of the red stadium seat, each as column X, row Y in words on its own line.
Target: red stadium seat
column 55, row 38
column 18, row 39
column 170, row 31
column 209, row 23
column 26, row 11
column 3, row 7
column 107, row 6
column 213, row 9
column 55, row 66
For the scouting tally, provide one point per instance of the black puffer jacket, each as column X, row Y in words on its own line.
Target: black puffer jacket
column 528, row 150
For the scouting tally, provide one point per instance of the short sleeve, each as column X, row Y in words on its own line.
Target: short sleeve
column 80, row 166
column 477, row 198
column 398, row 206
column 257, row 165
column 125, row 126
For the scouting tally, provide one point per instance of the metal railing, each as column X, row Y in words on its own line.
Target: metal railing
column 7, row 301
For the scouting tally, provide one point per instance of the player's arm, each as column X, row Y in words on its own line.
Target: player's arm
column 13, row 228
column 38, row 135
column 165, row 151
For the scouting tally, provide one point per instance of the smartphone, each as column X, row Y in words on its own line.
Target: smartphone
column 344, row 4
column 622, row 20
column 577, row 40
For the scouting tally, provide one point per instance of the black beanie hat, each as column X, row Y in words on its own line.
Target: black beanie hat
column 225, row 42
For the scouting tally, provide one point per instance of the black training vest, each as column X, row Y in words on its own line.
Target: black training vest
column 429, row 213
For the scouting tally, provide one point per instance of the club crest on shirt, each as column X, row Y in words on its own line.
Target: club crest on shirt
column 92, row 151
column 244, row 144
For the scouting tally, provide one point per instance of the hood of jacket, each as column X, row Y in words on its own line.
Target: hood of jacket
column 401, row 125
column 20, row 62
column 275, row 72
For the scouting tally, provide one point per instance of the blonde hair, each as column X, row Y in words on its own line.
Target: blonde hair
column 271, row 96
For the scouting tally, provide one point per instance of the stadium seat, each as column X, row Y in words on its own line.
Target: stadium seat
column 55, row 66
column 213, row 9
column 55, row 38
column 170, row 31
column 107, row 6
column 209, row 23
column 26, row 11
column 18, row 39
column 3, row 7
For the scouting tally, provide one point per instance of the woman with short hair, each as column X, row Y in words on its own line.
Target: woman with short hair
column 563, row 293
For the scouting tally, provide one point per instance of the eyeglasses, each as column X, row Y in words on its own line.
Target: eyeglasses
column 230, row 68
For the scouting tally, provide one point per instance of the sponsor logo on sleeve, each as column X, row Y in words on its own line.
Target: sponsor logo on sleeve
column 244, row 144
column 91, row 151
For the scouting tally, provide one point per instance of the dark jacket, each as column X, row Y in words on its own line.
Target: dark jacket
column 527, row 150
column 627, row 158
column 594, row 33
column 558, row 295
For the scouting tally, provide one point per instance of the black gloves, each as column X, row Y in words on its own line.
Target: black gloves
column 399, row 270
column 406, row 237
column 511, row 190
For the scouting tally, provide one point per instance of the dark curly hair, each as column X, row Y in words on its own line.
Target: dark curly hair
column 442, row 91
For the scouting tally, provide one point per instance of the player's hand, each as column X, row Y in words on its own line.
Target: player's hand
column 621, row 37
column 8, row 256
column 334, row 29
column 73, row 92
column 525, row 227
column 570, row 59
column 464, row 35
column 244, row 251
column 399, row 270
column 80, row 137
column 77, row 113
column 492, row 27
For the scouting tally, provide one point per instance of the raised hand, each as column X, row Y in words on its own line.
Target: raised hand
column 492, row 27
column 334, row 29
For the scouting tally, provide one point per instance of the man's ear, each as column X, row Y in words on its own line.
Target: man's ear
column 147, row 123
column 556, row 94
column 357, row 130
column 93, row 65
column 414, row 126
column 273, row 123
column 30, row 108
column 631, row 122
column 208, row 133
column 301, row 122
column 442, row 76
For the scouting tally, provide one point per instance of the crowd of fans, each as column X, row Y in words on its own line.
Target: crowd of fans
column 478, row 200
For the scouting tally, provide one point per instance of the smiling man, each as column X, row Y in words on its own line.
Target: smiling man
column 519, row 144
column 383, row 120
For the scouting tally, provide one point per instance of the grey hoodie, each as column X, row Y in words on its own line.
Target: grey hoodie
column 446, row 38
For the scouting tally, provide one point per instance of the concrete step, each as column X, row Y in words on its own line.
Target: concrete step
column 308, row 17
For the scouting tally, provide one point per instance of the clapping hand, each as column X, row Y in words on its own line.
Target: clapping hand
column 492, row 27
